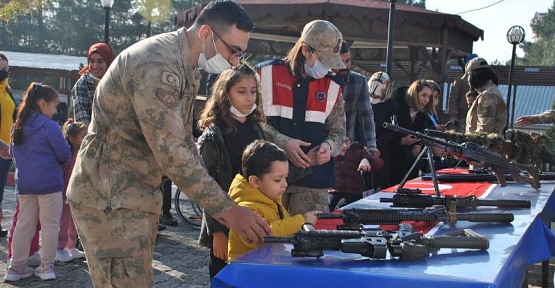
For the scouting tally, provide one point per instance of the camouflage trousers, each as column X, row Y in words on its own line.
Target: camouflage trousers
column 119, row 245
column 299, row 200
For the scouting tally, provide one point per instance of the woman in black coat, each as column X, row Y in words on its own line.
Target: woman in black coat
column 414, row 107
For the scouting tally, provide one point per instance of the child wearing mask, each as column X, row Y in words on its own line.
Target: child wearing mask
column 260, row 186
column 230, row 121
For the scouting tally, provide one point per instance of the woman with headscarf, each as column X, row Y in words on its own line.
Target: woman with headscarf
column 99, row 58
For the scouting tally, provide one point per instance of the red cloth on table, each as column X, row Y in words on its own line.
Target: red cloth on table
column 461, row 189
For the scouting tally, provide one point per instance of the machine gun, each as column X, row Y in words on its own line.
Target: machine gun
column 414, row 198
column 353, row 218
column 375, row 244
column 473, row 154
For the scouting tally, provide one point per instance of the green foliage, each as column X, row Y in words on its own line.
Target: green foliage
column 541, row 52
column 418, row 3
column 70, row 26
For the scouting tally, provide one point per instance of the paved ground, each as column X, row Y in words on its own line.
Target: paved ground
column 178, row 260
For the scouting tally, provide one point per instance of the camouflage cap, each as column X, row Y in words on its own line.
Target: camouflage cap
column 326, row 39
column 474, row 64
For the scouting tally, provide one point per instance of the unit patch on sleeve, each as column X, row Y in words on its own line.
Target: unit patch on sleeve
column 168, row 98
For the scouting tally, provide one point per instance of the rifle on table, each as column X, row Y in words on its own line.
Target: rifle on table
column 414, row 198
column 353, row 218
column 477, row 155
column 375, row 244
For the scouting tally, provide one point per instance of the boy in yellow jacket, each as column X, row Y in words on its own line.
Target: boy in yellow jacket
column 260, row 185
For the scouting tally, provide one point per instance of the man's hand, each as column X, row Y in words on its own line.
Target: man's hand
column 219, row 245
column 249, row 225
column 324, row 153
column 409, row 140
column 296, row 154
column 313, row 155
column 374, row 150
column 524, row 121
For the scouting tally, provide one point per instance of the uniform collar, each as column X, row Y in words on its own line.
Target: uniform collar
column 192, row 74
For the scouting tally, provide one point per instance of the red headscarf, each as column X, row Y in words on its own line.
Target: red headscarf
column 104, row 50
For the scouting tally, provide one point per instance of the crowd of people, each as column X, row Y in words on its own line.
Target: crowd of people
column 279, row 140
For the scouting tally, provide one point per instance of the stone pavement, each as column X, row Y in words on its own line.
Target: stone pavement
column 178, row 260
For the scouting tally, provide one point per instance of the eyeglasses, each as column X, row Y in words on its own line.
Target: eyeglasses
column 235, row 51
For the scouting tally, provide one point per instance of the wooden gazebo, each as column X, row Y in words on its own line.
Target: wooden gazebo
column 422, row 37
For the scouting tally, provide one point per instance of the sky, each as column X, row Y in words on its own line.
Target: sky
column 495, row 21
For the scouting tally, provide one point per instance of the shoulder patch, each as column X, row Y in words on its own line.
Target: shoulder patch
column 171, row 79
column 169, row 98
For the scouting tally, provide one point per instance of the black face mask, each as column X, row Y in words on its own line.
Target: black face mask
column 3, row 75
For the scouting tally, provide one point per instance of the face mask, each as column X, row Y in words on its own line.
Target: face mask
column 238, row 113
column 216, row 64
column 3, row 75
column 319, row 70
column 375, row 100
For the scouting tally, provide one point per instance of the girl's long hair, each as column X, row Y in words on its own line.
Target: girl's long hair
column 217, row 109
column 412, row 96
column 72, row 128
column 35, row 92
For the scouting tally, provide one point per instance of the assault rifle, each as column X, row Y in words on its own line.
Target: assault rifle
column 415, row 198
column 477, row 155
column 353, row 218
column 375, row 244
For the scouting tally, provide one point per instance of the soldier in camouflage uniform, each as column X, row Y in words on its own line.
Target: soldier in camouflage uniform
column 545, row 117
column 141, row 131
column 488, row 113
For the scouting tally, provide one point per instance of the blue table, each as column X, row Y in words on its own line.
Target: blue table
column 513, row 247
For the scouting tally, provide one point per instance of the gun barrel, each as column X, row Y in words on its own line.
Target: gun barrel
column 435, row 133
column 504, row 203
column 329, row 216
column 472, row 242
column 486, row 217
column 275, row 239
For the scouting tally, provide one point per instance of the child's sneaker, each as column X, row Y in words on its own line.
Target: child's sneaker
column 76, row 253
column 45, row 272
column 16, row 273
column 34, row 260
column 63, row 255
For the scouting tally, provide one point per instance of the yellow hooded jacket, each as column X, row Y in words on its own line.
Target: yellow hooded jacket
column 247, row 196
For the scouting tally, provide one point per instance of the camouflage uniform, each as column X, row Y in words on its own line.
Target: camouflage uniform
column 545, row 117
column 140, row 131
column 488, row 113
column 458, row 108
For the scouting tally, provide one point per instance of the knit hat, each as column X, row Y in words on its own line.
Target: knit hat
column 474, row 64
column 379, row 84
column 326, row 39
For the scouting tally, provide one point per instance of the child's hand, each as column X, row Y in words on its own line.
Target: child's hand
column 408, row 140
column 416, row 150
column 311, row 217
column 364, row 165
column 219, row 245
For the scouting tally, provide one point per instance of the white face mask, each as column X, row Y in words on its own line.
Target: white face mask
column 319, row 70
column 214, row 65
column 375, row 100
column 238, row 113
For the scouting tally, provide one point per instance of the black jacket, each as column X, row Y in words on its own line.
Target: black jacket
column 216, row 159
